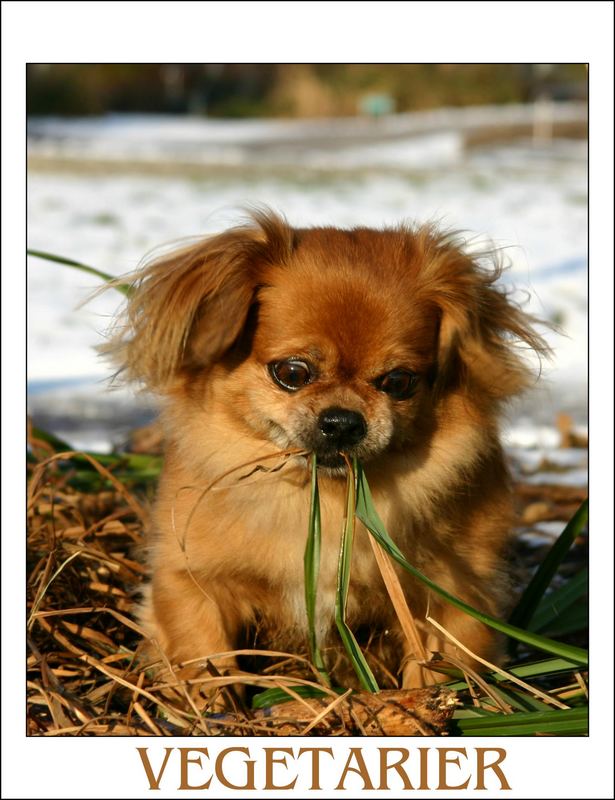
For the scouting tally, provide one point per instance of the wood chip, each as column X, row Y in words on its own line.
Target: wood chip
column 422, row 712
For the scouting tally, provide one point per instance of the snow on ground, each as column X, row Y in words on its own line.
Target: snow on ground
column 145, row 137
column 532, row 200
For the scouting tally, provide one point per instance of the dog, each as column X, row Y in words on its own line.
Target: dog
column 393, row 346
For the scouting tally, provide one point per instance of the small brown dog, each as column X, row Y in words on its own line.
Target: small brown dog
column 393, row 346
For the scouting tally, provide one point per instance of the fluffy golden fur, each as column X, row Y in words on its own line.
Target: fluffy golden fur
column 392, row 345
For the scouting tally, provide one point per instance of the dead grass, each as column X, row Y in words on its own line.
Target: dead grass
column 86, row 675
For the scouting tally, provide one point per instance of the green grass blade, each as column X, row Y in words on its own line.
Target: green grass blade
column 132, row 469
column 521, row 700
column 93, row 482
column 124, row 288
column 272, row 697
column 130, row 461
column 536, row 588
column 311, row 564
column 360, row 665
column 471, row 712
column 560, row 722
column 369, row 517
column 564, row 608
column 536, row 669
column 574, row 620
column 539, row 669
column 59, row 445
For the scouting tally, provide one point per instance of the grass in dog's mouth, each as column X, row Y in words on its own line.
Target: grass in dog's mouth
column 86, row 518
column 336, row 461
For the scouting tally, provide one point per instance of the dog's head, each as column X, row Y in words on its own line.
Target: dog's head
column 336, row 341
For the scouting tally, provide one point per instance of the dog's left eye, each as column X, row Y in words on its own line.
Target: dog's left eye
column 291, row 374
column 398, row 384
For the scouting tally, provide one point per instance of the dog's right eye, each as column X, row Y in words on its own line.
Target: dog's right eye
column 291, row 374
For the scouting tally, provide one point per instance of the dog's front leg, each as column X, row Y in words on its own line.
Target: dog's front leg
column 190, row 625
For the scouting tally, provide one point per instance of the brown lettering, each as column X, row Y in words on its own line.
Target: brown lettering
column 270, row 761
column 444, row 761
column 249, row 769
column 481, row 766
column 397, row 766
column 154, row 783
column 360, row 769
column 184, row 751
column 315, row 751
column 423, row 770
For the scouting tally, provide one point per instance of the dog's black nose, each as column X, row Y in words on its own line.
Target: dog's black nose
column 341, row 427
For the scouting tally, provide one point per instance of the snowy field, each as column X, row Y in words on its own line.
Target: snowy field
column 530, row 199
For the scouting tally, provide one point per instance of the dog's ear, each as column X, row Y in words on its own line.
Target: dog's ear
column 187, row 308
column 482, row 331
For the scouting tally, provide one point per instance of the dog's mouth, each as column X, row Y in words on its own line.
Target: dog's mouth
column 331, row 460
column 327, row 457
column 337, row 461
column 336, row 437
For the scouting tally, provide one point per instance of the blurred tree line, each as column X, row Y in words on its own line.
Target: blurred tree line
column 291, row 90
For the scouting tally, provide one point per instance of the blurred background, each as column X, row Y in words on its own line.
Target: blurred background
column 291, row 90
column 126, row 157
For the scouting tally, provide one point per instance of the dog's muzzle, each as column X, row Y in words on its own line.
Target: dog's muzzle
column 338, row 430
